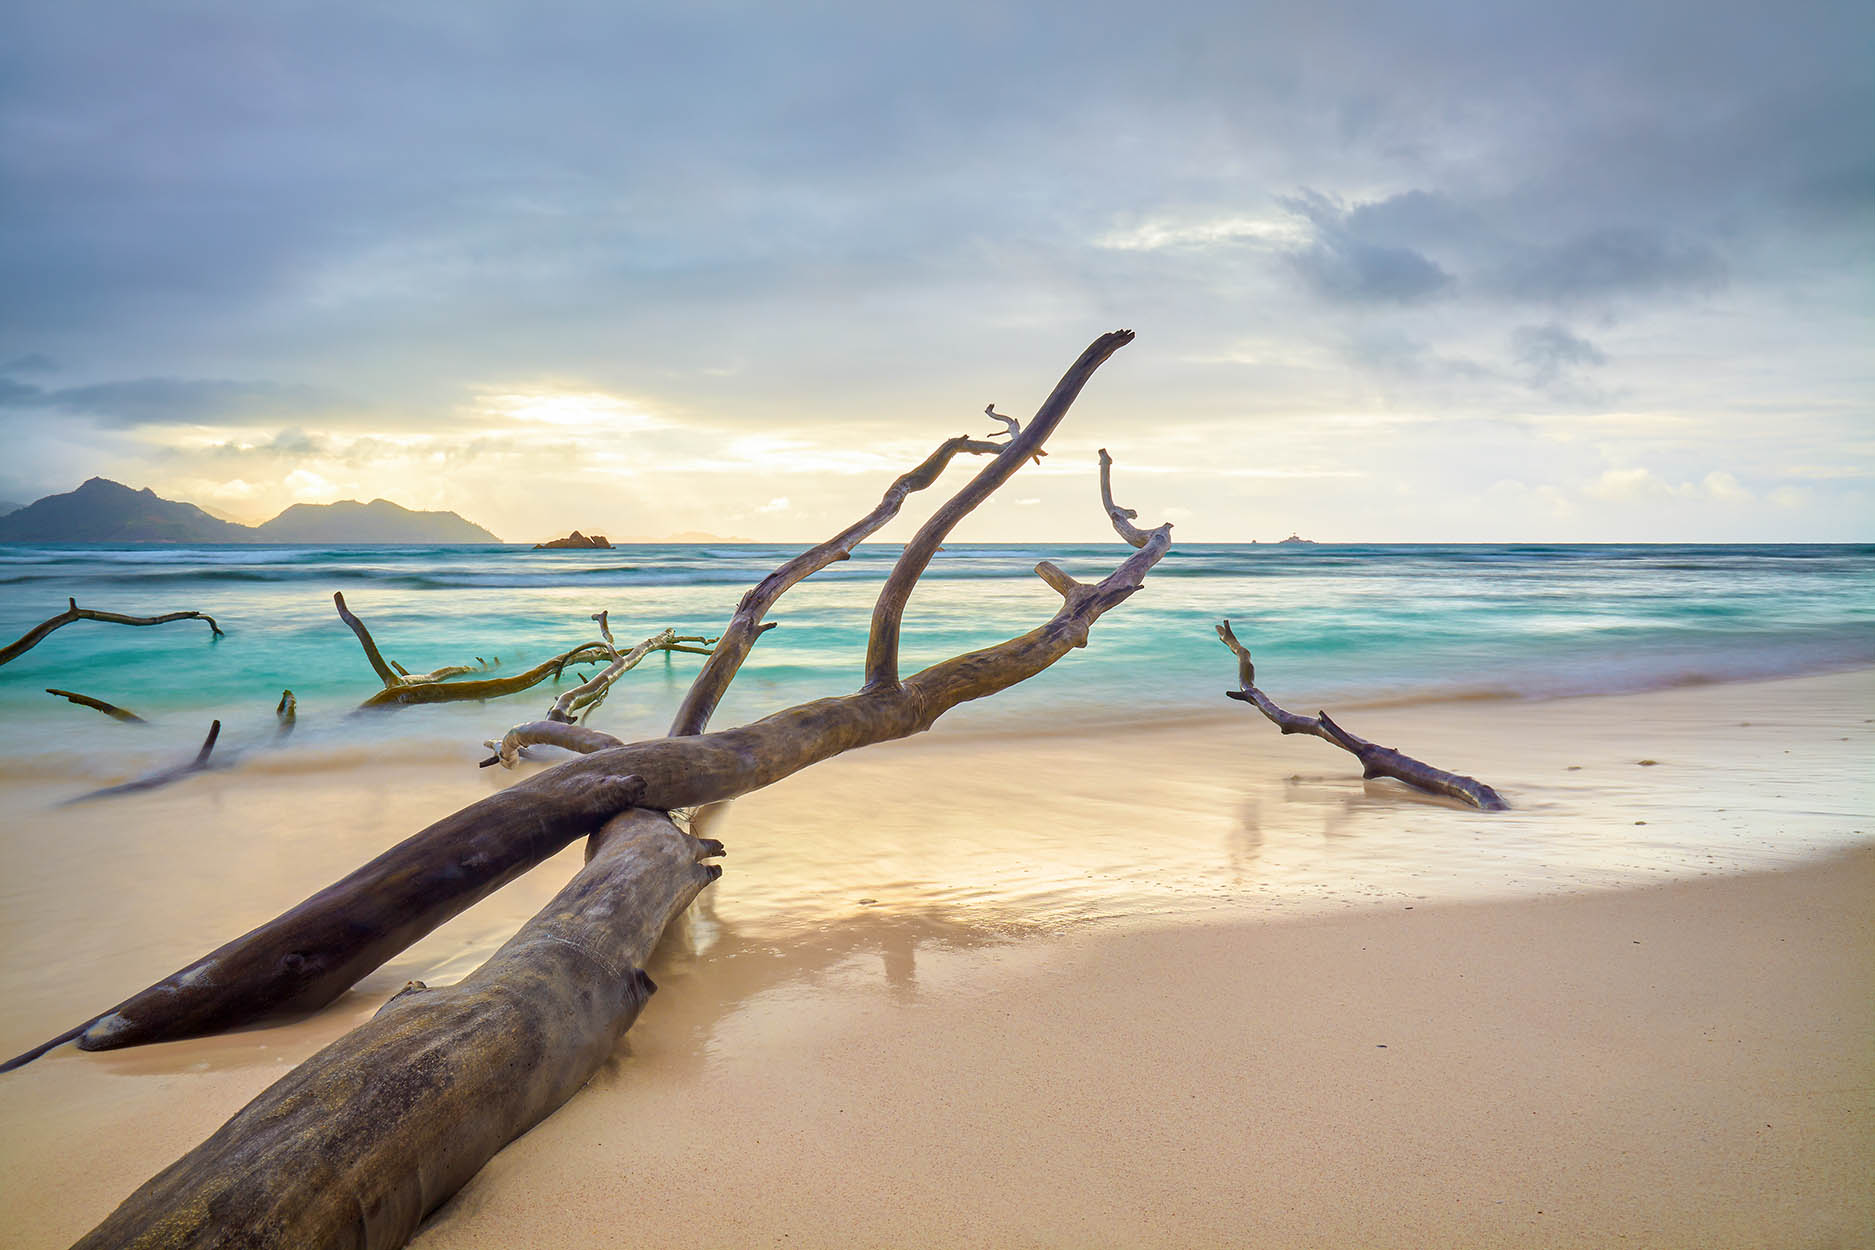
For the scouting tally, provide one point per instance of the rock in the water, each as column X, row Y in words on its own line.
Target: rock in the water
column 575, row 540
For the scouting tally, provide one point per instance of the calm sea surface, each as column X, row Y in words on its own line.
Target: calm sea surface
column 1326, row 623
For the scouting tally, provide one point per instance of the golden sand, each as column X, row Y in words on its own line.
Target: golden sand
column 1188, row 985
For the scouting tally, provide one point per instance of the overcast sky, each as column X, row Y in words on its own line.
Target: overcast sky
column 1444, row 271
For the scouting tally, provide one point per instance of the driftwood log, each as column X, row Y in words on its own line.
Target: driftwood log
column 353, row 1147
column 369, row 1135
column 37, row 634
column 403, row 688
column 1376, row 760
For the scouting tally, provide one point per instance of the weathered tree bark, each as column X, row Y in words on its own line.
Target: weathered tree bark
column 34, row 636
column 235, row 1188
column 1376, row 761
column 365, row 1138
column 99, row 705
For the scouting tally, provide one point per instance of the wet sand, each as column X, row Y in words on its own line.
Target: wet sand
column 1191, row 984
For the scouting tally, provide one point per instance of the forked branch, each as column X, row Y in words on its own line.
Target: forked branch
column 746, row 626
column 1376, row 761
column 34, row 636
column 888, row 613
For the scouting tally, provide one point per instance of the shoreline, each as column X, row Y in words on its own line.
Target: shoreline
column 1025, row 872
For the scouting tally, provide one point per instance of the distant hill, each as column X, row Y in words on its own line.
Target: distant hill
column 379, row 521
column 103, row 511
column 7, row 505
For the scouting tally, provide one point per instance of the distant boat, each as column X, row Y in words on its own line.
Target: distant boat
column 1295, row 540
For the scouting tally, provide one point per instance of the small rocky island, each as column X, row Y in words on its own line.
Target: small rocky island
column 1295, row 540
column 576, row 541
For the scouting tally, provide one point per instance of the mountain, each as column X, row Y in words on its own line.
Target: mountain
column 103, row 511
column 379, row 521
column 7, row 505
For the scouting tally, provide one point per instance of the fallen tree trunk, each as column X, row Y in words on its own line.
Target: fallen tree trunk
column 395, row 1152
column 307, row 956
column 37, row 634
column 360, row 1142
column 1376, row 760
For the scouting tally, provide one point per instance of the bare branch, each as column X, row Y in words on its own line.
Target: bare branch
column 34, row 636
column 406, row 694
column 1122, row 518
column 889, row 612
column 1376, row 761
column 390, row 678
column 740, row 635
column 1015, row 428
column 109, row 709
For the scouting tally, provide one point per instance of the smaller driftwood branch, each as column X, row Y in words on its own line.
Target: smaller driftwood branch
column 379, row 665
column 588, row 695
column 34, row 636
column 1015, row 428
column 162, row 778
column 559, row 728
column 1376, row 760
column 402, row 688
column 99, row 705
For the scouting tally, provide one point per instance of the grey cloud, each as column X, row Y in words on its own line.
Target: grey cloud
column 167, row 401
column 1554, row 360
column 1342, row 265
column 408, row 201
column 1609, row 262
column 1548, row 350
column 31, row 362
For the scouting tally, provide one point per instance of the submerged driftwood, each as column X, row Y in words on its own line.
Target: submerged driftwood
column 151, row 781
column 1376, row 760
column 99, row 705
column 353, row 1147
column 403, row 688
column 37, row 634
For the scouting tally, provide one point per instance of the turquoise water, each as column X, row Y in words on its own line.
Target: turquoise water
column 1326, row 624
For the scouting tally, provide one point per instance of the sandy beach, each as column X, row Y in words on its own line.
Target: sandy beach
column 1179, row 984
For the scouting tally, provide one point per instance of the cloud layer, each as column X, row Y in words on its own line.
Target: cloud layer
column 1477, row 256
